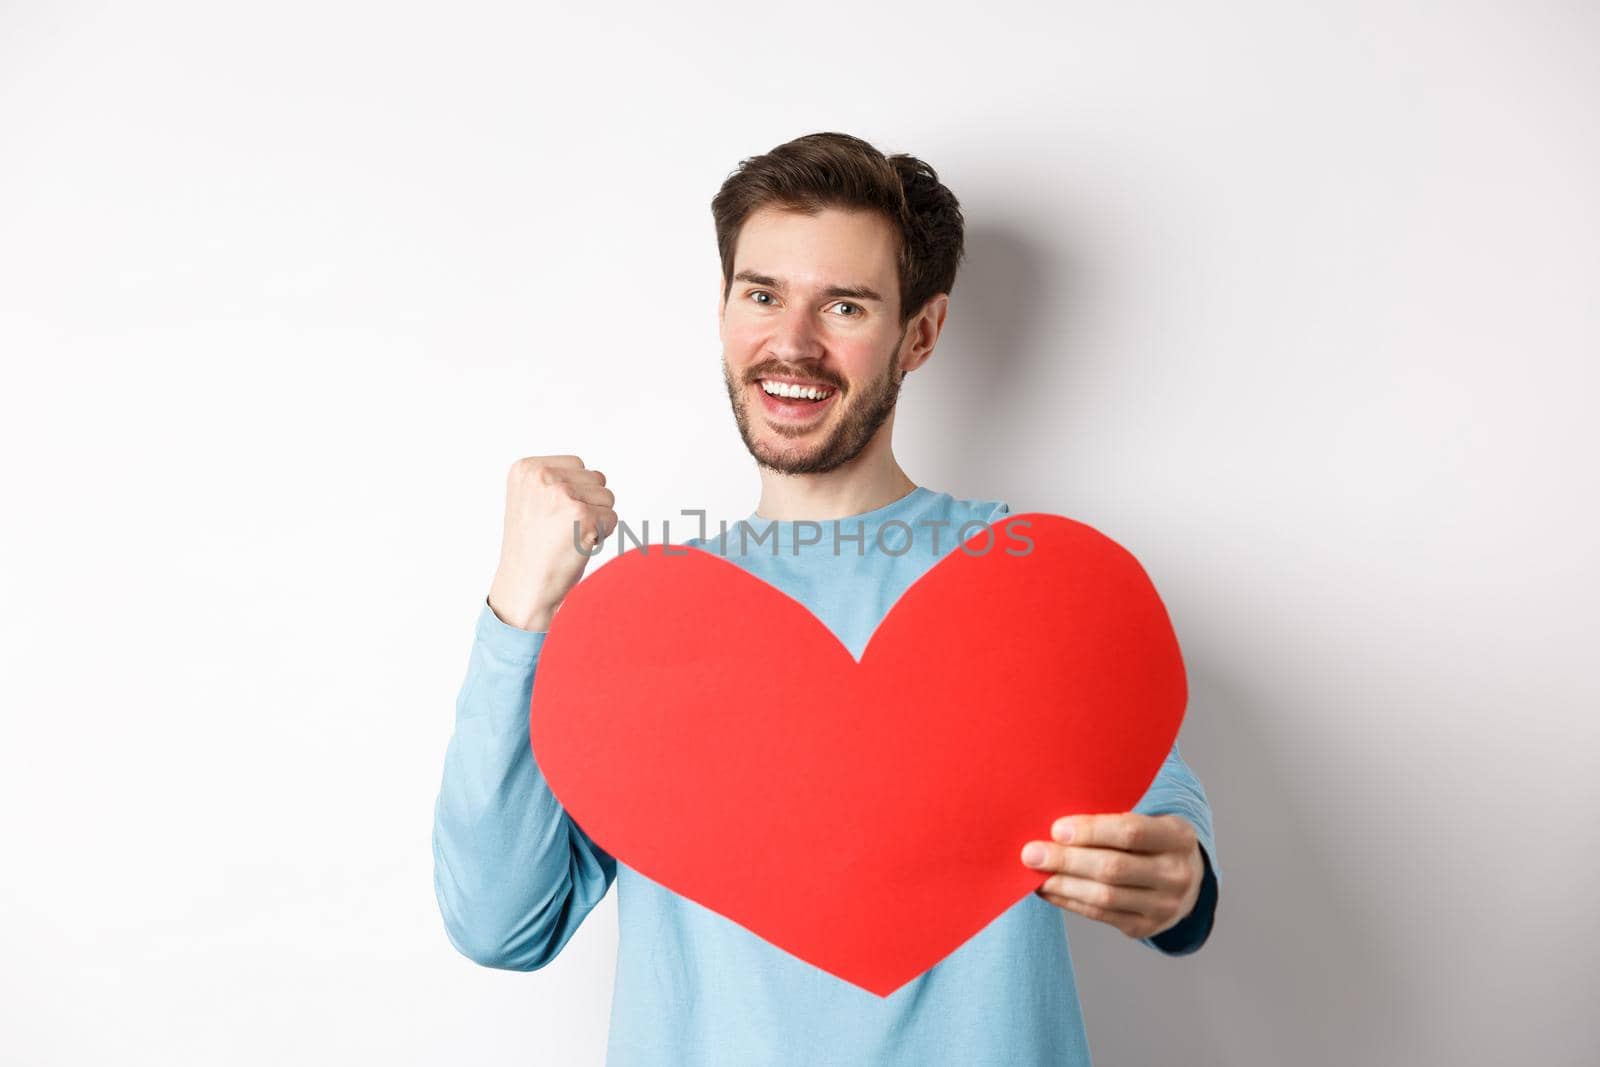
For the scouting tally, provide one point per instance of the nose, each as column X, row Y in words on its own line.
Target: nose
column 794, row 339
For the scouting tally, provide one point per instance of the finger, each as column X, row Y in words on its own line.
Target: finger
column 572, row 476
column 582, row 475
column 596, row 524
column 1125, row 921
column 529, row 465
column 1145, row 902
column 1129, row 831
column 1044, row 855
column 592, row 493
column 1111, row 866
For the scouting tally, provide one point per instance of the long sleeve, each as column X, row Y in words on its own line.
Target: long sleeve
column 1176, row 791
column 513, row 873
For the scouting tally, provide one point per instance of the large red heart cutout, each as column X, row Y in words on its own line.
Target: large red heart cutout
column 706, row 729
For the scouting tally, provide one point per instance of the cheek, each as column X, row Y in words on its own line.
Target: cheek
column 741, row 338
column 860, row 360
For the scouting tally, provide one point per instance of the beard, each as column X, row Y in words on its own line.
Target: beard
column 861, row 417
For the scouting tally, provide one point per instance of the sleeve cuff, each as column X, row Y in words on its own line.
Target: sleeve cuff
column 505, row 640
column 1195, row 928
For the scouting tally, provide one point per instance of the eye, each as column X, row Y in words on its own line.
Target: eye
column 856, row 314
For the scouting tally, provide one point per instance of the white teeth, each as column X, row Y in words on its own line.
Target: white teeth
column 806, row 392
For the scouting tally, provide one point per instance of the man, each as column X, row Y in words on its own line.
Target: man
column 837, row 265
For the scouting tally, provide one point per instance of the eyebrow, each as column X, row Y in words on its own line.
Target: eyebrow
column 854, row 292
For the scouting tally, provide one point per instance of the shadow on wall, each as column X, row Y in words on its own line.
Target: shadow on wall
column 956, row 403
column 1291, row 972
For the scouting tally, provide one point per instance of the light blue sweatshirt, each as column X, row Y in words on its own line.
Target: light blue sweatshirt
column 515, row 875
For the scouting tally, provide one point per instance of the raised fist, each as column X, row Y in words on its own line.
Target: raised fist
column 539, row 560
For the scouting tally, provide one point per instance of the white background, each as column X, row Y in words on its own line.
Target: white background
column 1298, row 302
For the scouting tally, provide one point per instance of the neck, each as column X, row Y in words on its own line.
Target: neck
column 870, row 481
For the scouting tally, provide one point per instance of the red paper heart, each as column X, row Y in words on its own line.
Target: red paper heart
column 704, row 728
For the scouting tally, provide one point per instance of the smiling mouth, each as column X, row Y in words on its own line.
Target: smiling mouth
column 791, row 401
column 787, row 389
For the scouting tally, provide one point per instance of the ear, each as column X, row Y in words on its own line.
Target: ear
column 923, row 331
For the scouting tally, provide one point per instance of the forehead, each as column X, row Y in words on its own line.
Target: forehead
column 813, row 250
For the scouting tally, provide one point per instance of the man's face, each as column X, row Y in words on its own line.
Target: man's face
column 815, row 301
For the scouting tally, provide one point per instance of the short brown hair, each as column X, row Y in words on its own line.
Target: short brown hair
column 822, row 170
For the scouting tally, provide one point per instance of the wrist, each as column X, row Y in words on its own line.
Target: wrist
column 532, row 617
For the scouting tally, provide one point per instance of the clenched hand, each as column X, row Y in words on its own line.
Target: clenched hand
column 554, row 504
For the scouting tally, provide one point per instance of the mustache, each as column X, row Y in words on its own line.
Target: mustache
column 774, row 371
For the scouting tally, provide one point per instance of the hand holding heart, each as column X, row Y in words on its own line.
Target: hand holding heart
column 1139, row 873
